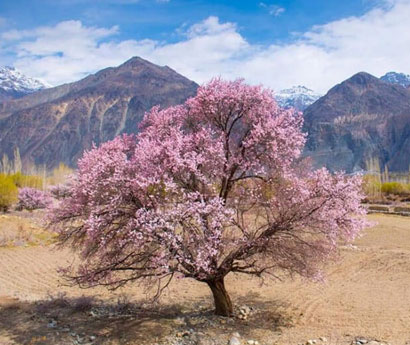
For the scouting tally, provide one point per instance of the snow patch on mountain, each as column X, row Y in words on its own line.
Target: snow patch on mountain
column 298, row 97
column 14, row 84
column 397, row 78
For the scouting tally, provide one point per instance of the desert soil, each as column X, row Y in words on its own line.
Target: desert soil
column 367, row 293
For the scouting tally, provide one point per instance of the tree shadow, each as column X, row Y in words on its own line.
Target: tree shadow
column 86, row 320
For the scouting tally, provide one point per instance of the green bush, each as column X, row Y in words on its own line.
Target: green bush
column 395, row 188
column 31, row 181
column 8, row 192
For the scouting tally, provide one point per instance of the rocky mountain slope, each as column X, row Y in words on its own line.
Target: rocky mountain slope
column 58, row 124
column 14, row 84
column 397, row 78
column 360, row 118
column 298, row 97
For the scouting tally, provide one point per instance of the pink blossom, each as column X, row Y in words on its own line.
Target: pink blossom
column 32, row 199
column 206, row 188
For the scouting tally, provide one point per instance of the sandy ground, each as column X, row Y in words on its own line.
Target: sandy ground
column 367, row 293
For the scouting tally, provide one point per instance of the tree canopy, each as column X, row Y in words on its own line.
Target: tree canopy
column 206, row 188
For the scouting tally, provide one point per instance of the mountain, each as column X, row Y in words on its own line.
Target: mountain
column 57, row 124
column 361, row 118
column 299, row 97
column 397, row 78
column 14, row 84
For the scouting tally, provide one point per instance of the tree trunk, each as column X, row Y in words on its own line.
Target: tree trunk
column 223, row 304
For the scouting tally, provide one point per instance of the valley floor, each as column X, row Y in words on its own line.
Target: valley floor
column 367, row 294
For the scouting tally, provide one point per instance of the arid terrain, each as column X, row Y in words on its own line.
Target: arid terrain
column 366, row 294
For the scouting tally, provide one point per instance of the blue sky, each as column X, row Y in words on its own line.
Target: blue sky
column 277, row 43
column 259, row 21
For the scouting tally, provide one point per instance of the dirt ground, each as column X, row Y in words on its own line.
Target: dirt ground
column 367, row 293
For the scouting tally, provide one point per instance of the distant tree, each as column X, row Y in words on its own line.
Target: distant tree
column 17, row 165
column 207, row 188
column 6, row 167
column 60, row 174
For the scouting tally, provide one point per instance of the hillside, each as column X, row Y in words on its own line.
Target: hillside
column 360, row 118
column 58, row 124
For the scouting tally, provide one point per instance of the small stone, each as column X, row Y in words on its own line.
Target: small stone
column 236, row 334
column 323, row 339
column 245, row 309
column 92, row 337
column 182, row 334
column 310, row 342
column 360, row 340
column 251, row 342
column 180, row 321
column 234, row 341
column 52, row 324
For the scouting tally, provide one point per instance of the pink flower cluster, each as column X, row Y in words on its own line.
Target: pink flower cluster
column 32, row 199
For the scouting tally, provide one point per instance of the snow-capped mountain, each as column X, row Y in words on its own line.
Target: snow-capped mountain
column 298, row 97
column 14, row 84
column 397, row 78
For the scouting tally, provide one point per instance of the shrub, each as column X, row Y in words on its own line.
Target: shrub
column 32, row 199
column 372, row 186
column 83, row 304
column 32, row 181
column 60, row 191
column 60, row 174
column 393, row 188
column 8, row 192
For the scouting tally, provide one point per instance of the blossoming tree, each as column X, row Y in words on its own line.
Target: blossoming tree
column 207, row 188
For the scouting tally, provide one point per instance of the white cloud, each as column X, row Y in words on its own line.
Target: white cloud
column 273, row 10
column 377, row 42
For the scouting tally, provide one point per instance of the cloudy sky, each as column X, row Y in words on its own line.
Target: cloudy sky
column 316, row 43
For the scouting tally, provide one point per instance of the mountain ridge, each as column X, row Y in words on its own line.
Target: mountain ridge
column 298, row 97
column 397, row 78
column 58, row 124
column 361, row 118
column 14, row 84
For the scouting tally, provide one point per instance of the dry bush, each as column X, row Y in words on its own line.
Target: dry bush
column 372, row 187
column 20, row 237
column 16, row 231
column 59, row 175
